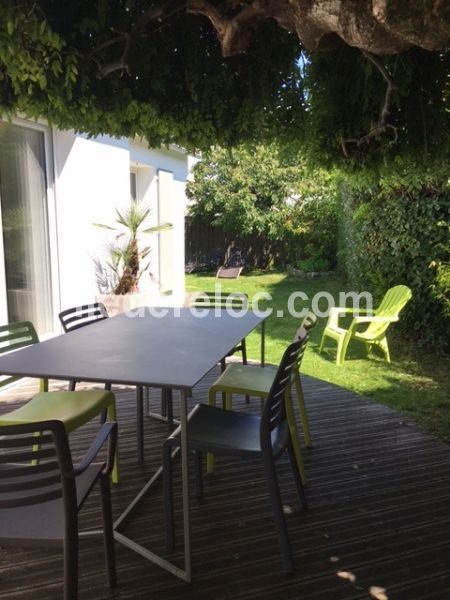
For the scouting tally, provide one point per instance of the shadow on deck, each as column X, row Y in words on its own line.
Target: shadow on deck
column 378, row 523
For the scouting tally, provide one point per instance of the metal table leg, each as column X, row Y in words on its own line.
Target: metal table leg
column 185, row 479
column 185, row 574
column 140, row 423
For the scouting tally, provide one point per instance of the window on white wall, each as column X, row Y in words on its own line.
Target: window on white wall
column 133, row 185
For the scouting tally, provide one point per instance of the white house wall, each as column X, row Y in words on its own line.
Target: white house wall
column 176, row 162
column 92, row 179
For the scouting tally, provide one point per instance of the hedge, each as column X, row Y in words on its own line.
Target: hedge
column 395, row 228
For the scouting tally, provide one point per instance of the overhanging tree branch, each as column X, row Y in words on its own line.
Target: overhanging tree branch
column 233, row 31
column 155, row 13
column 381, row 125
column 375, row 26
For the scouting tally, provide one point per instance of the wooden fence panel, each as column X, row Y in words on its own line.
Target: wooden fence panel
column 206, row 247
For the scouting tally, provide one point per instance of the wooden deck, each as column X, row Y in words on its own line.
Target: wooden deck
column 378, row 524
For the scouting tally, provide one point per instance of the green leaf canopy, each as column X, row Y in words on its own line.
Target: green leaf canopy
column 105, row 67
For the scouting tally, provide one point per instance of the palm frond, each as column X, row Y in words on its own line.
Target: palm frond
column 145, row 252
column 122, row 220
column 102, row 226
column 158, row 228
column 143, row 270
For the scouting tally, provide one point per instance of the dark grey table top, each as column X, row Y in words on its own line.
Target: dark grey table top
column 170, row 351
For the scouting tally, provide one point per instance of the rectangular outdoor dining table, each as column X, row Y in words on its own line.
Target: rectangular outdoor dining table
column 163, row 348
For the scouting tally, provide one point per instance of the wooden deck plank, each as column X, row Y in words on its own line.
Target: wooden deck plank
column 379, row 516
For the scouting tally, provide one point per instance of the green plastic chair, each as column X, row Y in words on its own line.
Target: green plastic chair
column 222, row 301
column 250, row 380
column 71, row 408
column 377, row 324
column 13, row 337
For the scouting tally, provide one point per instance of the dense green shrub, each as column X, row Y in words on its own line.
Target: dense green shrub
column 262, row 196
column 395, row 228
column 313, row 264
column 314, row 247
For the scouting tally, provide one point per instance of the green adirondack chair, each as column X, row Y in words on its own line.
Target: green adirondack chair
column 377, row 324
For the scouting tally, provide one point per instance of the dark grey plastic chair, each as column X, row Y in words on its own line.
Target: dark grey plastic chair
column 225, row 432
column 41, row 492
column 80, row 316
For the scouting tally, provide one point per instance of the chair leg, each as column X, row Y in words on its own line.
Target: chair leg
column 104, row 413
column 198, row 474
column 72, row 386
column 163, row 403
column 383, row 344
column 168, row 497
column 322, row 341
column 108, row 534
column 228, row 401
column 244, row 362
column 342, row 349
column 210, row 457
column 302, row 410
column 223, row 366
column 112, row 416
column 244, row 352
column 297, row 479
column 169, row 409
column 277, row 509
column 294, row 434
column 71, row 560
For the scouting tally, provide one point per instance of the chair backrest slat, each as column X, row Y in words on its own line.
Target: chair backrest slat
column 14, row 336
column 27, row 455
column 394, row 301
column 22, row 484
column 27, row 500
column 15, row 470
column 274, row 410
column 391, row 305
column 219, row 300
column 80, row 316
column 17, row 335
column 35, row 465
column 20, row 339
column 229, row 272
column 307, row 325
column 21, row 441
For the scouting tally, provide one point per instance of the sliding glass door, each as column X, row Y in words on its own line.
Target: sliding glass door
column 24, row 227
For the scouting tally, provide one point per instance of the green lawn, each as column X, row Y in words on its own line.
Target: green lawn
column 416, row 382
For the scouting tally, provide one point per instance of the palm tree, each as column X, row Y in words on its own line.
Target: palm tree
column 126, row 257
